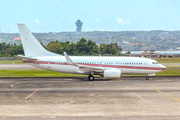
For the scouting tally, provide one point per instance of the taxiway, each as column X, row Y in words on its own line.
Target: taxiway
column 76, row 98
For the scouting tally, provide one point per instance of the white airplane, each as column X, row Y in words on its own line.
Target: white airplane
column 108, row 67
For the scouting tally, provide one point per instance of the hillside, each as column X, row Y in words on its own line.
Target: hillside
column 128, row 40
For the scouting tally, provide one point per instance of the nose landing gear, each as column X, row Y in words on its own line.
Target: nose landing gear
column 147, row 78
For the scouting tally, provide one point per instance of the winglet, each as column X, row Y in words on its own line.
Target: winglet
column 69, row 61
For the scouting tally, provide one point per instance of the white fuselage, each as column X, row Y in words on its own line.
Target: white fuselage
column 127, row 65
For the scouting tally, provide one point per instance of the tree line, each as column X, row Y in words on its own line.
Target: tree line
column 9, row 50
column 82, row 47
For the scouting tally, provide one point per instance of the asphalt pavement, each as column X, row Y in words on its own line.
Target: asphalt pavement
column 77, row 98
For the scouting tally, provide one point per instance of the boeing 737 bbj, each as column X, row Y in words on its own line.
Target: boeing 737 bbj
column 108, row 67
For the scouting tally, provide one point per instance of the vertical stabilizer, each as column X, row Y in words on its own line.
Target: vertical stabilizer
column 31, row 46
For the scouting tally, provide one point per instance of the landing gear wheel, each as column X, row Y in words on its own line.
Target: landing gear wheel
column 147, row 78
column 91, row 78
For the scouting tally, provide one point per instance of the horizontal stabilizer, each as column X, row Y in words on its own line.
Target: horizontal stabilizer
column 25, row 57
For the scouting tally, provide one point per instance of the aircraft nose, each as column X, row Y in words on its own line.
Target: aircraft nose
column 162, row 66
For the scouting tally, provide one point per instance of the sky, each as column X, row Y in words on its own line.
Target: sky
column 96, row 15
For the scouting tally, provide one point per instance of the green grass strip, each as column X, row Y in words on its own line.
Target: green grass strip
column 169, row 72
column 47, row 73
column 34, row 73
column 168, row 60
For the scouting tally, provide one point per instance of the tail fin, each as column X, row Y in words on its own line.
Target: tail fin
column 31, row 46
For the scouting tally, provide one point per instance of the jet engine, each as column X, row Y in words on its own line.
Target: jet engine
column 112, row 73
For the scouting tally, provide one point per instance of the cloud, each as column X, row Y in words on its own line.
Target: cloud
column 36, row 21
column 123, row 22
column 98, row 21
column 99, row 29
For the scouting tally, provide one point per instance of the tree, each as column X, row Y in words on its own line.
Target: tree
column 128, row 52
column 9, row 50
column 54, row 47
column 152, row 51
column 112, row 49
column 82, row 47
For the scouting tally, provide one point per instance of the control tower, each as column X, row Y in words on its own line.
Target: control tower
column 79, row 25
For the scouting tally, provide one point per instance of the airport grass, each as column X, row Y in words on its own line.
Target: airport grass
column 11, row 61
column 47, row 73
column 169, row 72
column 34, row 73
column 168, row 60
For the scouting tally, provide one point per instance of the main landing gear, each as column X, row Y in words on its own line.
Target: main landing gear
column 147, row 78
column 90, row 77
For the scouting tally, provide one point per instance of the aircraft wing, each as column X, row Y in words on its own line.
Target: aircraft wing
column 90, row 69
column 83, row 68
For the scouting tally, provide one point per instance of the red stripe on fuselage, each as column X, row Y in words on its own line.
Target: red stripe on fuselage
column 97, row 65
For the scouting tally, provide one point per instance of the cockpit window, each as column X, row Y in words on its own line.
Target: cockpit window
column 155, row 63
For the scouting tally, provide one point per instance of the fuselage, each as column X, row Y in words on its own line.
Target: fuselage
column 127, row 65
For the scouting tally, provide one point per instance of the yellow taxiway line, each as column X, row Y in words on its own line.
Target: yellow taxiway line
column 167, row 95
column 141, row 98
column 31, row 94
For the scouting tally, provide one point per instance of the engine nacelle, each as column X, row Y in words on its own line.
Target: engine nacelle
column 112, row 73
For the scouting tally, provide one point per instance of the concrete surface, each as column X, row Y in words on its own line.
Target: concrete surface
column 17, row 66
column 171, row 64
column 77, row 98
